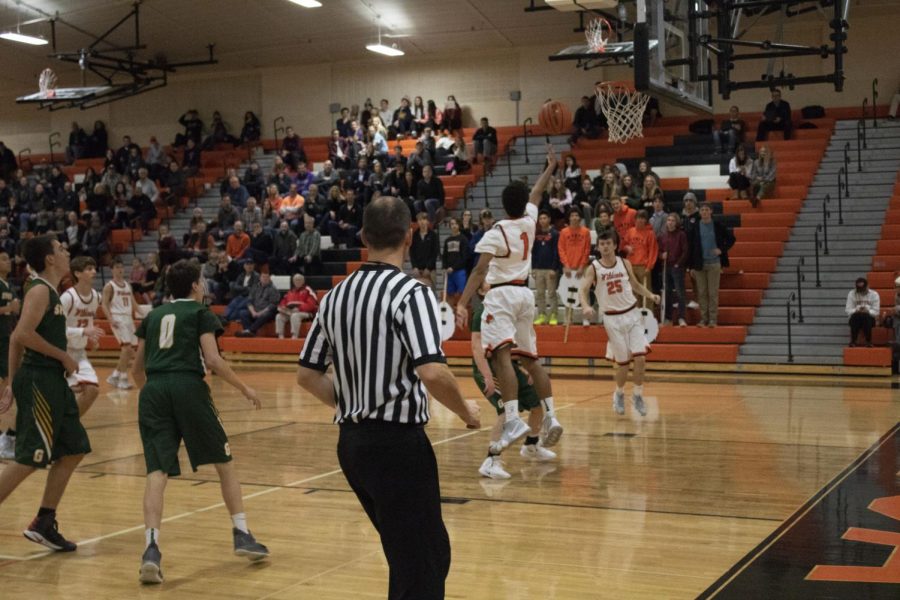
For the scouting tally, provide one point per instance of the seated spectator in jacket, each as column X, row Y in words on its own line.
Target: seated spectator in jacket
column 252, row 213
column 740, row 169
column 147, row 186
column 238, row 242
column 193, row 129
column 226, row 218
column 545, row 267
column 327, row 177
column 731, row 131
column 776, row 117
column 243, row 280
column 306, row 256
column 623, row 219
column 191, row 159
column 142, row 209
column 198, row 243
column 863, row 307
column 430, row 195
column 174, row 179
column 155, row 159
column 254, row 180
column 261, row 307
column 291, row 206
column 485, row 142
column 585, row 124
column 123, row 154
column 762, row 177
column 292, row 151
column 417, row 160
column 659, row 215
column 585, row 196
column 402, row 119
column 166, row 246
column 78, row 141
column 424, row 251
column 261, row 245
column 284, row 248
column 238, row 192
column 219, row 134
column 280, row 179
column 342, row 125
column 252, row 129
column 454, row 260
column 641, row 250
column 339, row 150
column 673, row 252
column 300, row 304
column 344, row 230
column 396, row 159
column 708, row 256
column 575, row 247
column 358, row 179
column 227, row 271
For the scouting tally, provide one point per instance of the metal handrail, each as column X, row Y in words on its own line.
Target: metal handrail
column 859, row 143
column 525, row 136
column 865, row 108
column 847, row 157
column 875, row 103
column 509, row 151
column 484, row 178
column 826, row 214
column 467, row 190
column 790, row 316
column 841, row 174
column 817, row 245
column 53, row 144
column 276, row 129
column 800, row 279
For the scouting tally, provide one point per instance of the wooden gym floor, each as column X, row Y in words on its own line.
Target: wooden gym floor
column 651, row 508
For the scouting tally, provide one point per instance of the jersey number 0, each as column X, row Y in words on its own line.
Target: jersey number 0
column 166, row 332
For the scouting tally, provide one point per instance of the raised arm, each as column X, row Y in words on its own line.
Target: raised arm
column 537, row 191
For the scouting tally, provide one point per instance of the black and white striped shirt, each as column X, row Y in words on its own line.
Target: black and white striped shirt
column 376, row 327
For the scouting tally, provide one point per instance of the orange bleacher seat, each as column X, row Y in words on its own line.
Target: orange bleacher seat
column 885, row 263
column 736, row 207
column 867, row 357
column 758, row 219
column 762, row 234
column 757, row 264
column 880, row 280
column 888, row 247
column 756, row 249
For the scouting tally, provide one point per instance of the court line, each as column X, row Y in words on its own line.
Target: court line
column 317, row 575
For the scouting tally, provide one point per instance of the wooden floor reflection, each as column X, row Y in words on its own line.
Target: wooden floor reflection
column 657, row 507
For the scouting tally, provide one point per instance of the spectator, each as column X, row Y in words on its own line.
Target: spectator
column 135, row 162
column 299, row 304
column 339, row 150
column 147, row 283
column 659, row 216
column 90, row 179
column 327, row 177
column 261, row 245
column 452, row 115
column 142, row 209
column 650, row 191
column 146, row 185
column 342, row 125
column 585, row 124
column 94, row 241
column 219, row 133
column 239, row 287
column 73, row 234
column 732, row 129
column 379, row 143
column 485, row 142
column 397, row 159
column 377, row 179
column 623, row 219
column 254, row 180
column 252, row 130
column 98, row 141
column 407, row 191
column 291, row 206
column 239, row 194
column 135, row 277
column 344, row 230
column 429, row 143
column 226, row 217
column 708, row 256
column 193, row 129
column 252, row 214
column 545, row 266
column 261, row 308
column 123, row 155
column 572, row 173
column 762, row 179
column 461, row 159
column 641, row 250
column 284, row 249
column 776, row 117
column 303, row 178
column 740, row 169
column 419, row 115
column 8, row 163
column 316, row 203
column 227, row 271
column 454, row 260
column 575, row 247
column 385, row 113
column 155, row 160
column 358, row 179
column 690, row 214
column 645, row 169
column 417, row 161
column 167, row 246
column 612, row 189
column 630, row 191
column 199, row 243
column 191, row 158
column 402, row 119
column 863, row 307
column 558, row 201
column 430, row 195
column 424, row 251
column 651, row 112
column 585, row 196
column 308, row 248
column 280, row 178
column 673, row 251
column 174, row 179
column 604, row 222
column 78, row 142
column 238, row 242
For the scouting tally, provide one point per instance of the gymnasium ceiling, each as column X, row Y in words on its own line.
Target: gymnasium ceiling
column 266, row 33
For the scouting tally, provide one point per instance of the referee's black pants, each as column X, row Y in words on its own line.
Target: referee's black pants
column 393, row 471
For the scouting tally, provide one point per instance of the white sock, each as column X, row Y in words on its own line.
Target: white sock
column 239, row 520
column 116, row 374
column 548, row 406
column 151, row 535
column 620, row 390
column 512, row 409
column 639, row 390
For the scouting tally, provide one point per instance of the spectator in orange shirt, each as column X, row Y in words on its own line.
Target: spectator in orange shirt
column 291, row 207
column 641, row 250
column 575, row 247
column 623, row 219
column 238, row 242
column 273, row 197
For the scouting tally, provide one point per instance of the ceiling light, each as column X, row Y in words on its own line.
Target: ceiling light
column 24, row 39
column 307, row 3
column 386, row 50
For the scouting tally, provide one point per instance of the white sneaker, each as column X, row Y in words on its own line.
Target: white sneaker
column 7, row 447
column 693, row 305
column 537, row 452
column 619, row 402
column 638, row 402
column 551, row 431
column 113, row 380
column 492, row 468
column 586, row 322
column 682, row 323
column 514, row 430
column 123, row 383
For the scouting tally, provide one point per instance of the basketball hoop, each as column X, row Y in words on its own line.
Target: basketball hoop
column 595, row 35
column 47, row 83
column 623, row 107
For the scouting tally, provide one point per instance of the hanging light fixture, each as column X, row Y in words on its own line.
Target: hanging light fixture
column 307, row 3
column 22, row 38
column 380, row 48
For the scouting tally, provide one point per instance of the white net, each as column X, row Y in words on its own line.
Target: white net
column 596, row 36
column 623, row 107
column 47, row 82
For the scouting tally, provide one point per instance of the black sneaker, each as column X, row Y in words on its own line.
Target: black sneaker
column 150, row 565
column 45, row 531
column 246, row 545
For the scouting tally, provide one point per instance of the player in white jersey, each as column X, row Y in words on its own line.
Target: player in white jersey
column 120, row 309
column 507, row 323
column 614, row 283
column 80, row 303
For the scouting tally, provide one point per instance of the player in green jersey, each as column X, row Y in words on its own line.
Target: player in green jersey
column 176, row 344
column 9, row 307
column 47, row 424
column 533, row 448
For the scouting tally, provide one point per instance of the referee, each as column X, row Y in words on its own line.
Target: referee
column 380, row 330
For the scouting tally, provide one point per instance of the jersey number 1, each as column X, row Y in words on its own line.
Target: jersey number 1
column 166, row 332
column 524, row 238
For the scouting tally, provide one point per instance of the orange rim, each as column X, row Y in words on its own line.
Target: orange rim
column 627, row 86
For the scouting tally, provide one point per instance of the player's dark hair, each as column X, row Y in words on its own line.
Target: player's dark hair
column 116, row 262
column 36, row 250
column 607, row 234
column 386, row 223
column 515, row 199
column 79, row 264
column 181, row 277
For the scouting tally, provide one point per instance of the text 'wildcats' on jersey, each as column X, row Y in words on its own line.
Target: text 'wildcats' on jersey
column 613, row 287
column 171, row 335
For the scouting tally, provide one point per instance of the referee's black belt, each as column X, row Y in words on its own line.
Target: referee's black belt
column 621, row 312
column 515, row 282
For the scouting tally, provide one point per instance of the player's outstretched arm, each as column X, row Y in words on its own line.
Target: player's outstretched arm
column 317, row 383
column 584, row 292
column 220, row 367
column 475, row 280
column 537, row 192
column 137, row 368
column 637, row 286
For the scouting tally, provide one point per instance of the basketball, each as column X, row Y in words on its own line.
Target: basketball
column 555, row 117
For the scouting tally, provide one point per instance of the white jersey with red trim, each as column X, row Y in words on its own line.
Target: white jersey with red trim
column 510, row 241
column 613, row 287
column 122, row 298
column 80, row 313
